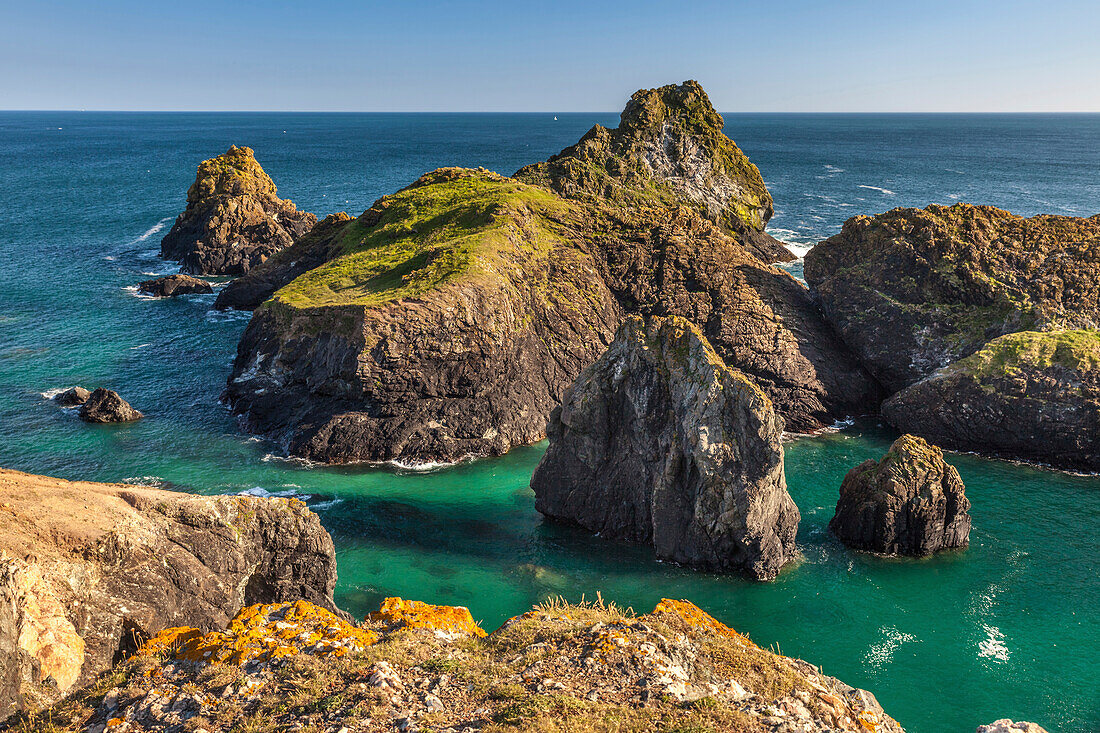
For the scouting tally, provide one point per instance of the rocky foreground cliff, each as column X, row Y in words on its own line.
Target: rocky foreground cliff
column 447, row 320
column 234, row 218
column 413, row 667
column 89, row 572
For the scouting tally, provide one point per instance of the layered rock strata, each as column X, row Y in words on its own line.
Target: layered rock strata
column 660, row 442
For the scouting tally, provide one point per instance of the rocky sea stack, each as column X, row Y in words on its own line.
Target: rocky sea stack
column 660, row 442
column 1026, row 395
column 913, row 290
column 89, row 572
column 911, row 502
column 448, row 319
column 171, row 285
column 670, row 149
column 234, row 220
column 106, row 405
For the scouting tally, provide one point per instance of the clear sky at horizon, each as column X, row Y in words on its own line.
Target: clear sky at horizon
column 418, row 55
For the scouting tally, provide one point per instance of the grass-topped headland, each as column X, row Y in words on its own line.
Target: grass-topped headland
column 452, row 223
column 1078, row 350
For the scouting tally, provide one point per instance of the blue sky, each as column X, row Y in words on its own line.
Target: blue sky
column 549, row 56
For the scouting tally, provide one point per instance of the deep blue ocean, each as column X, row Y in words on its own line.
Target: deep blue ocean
column 1008, row 628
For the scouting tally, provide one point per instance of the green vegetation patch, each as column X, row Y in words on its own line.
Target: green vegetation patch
column 452, row 224
column 1078, row 350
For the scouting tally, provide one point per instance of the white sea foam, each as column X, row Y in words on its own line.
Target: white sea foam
column 993, row 645
column 881, row 654
column 321, row 506
column 833, row 168
column 49, row 394
column 886, row 191
column 420, row 467
column 139, row 346
column 134, row 291
column 152, row 230
column 265, row 494
column 144, row 480
column 216, row 316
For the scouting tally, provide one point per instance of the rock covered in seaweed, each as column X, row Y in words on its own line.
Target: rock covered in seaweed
column 660, row 442
column 668, row 149
column 234, row 220
column 89, row 571
column 1028, row 395
column 912, row 290
column 106, row 406
column 171, row 285
column 911, row 502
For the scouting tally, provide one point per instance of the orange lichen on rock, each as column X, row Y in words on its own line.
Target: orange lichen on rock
column 265, row 632
column 694, row 617
column 399, row 613
column 169, row 641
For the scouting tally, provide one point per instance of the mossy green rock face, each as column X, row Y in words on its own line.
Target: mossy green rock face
column 911, row 502
column 1028, row 395
column 660, row 442
column 913, row 290
column 668, row 149
column 234, row 219
column 446, row 323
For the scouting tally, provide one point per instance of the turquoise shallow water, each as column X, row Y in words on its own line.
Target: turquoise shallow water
column 1007, row 628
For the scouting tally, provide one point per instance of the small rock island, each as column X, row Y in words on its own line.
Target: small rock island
column 911, row 502
column 106, row 406
column 172, row 285
column 234, row 219
column 660, row 442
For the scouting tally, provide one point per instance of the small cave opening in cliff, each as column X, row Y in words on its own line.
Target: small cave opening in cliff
column 131, row 639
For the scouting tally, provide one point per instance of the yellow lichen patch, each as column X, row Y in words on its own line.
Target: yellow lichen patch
column 269, row 631
column 169, row 641
column 419, row 615
column 695, row 617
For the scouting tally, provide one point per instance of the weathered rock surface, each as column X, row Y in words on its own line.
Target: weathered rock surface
column 90, row 571
column 912, row 290
column 454, row 317
column 1008, row 726
column 318, row 246
column 105, row 405
column 72, row 397
column 234, row 220
column 660, row 442
column 170, row 285
column 669, row 149
column 911, row 502
column 416, row 333
column 591, row 667
column 1029, row 395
